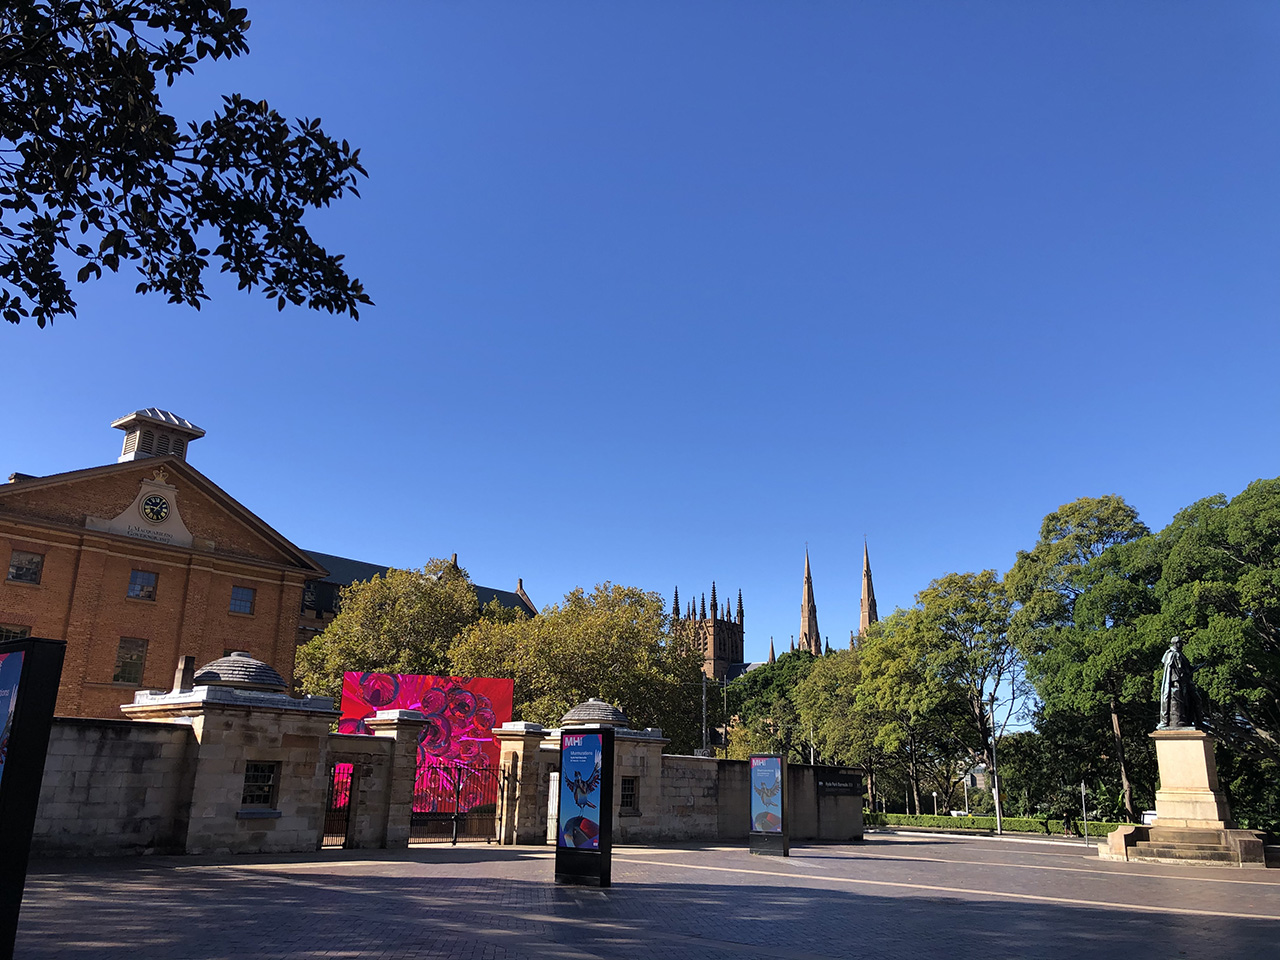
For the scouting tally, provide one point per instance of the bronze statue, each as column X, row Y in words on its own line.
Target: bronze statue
column 1179, row 707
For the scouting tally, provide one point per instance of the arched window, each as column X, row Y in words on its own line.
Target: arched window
column 131, row 441
column 163, row 446
column 177, row 447
column 147, row 444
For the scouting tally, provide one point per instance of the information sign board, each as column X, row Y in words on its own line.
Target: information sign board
column 768, row 807
column 584, row 831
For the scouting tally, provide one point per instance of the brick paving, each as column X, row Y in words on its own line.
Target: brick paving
column 896, row 897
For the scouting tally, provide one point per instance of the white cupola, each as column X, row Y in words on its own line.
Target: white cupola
column 155, row 433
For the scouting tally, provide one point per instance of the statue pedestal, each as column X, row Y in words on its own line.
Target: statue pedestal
column 1189, row 795
column 1193, row 821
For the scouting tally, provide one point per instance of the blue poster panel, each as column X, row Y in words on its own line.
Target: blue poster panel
column 766, row 794
column 10, row 674
column 580, row 790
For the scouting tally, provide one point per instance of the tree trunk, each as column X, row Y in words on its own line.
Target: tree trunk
column 913, row 774
column 1125, row 786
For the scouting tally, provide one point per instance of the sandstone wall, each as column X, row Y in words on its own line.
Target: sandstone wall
column 114, row 787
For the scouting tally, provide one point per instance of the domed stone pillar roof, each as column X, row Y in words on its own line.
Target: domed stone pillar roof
column 241, row 671
column 594, row 713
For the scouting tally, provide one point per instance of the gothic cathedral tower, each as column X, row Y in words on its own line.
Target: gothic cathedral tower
column 809, row 637
column 868, row 594
column 719, row 635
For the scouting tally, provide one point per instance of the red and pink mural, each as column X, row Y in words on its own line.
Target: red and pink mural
column 457, row 741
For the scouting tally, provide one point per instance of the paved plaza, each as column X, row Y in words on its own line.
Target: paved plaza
column 894, row 896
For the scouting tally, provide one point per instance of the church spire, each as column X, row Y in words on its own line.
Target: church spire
column 704, row 608
column 869, row 615
column 810, row 639
column 772, row 658
column 675, row 605
column 715, row 607
column 739, row 608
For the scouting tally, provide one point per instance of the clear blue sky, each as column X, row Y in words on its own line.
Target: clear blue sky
column 665, row 290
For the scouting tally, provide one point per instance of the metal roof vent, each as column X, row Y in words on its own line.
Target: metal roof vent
column 155, row 433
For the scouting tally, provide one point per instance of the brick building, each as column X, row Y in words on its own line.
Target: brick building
column 140, row 561
column 144, row 560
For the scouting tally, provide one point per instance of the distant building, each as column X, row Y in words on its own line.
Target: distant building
column 321, row 599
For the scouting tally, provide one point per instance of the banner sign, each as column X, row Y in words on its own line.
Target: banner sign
column 766, row 794
column 580, row 790
column 461, row 712
column 10, row 676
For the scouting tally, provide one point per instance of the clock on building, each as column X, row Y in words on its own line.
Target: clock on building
column 155, row 508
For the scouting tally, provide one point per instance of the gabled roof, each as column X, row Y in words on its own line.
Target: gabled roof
column 178, row 468
column 344, row 571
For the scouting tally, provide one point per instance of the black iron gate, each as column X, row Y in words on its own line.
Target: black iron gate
column 455, row 803
column 337, row 811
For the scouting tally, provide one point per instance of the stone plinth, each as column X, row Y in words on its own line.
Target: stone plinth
column 1189, row 796
column 1193, row 821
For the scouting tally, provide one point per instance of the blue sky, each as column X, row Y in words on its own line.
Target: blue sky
column 667, row 290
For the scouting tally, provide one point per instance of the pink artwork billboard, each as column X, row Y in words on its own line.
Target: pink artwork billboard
column 457, row 739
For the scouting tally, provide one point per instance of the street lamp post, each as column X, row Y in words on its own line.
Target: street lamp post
column 966, row 794
column 995, row 776
column 935, row 803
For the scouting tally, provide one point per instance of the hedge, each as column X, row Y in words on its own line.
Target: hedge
column 1097, row 828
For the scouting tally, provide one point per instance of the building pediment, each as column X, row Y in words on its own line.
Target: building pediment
column 160, row 500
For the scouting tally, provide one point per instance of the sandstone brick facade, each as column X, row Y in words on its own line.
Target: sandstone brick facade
column 82, row 595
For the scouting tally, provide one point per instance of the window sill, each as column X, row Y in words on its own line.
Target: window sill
column 23, row 583
column 629, row 813
column 237, row 613
column 141, row 599
column 257, row 814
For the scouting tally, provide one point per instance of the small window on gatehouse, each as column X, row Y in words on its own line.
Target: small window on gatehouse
column 261, row 783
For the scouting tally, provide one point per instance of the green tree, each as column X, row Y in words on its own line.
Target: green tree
column 403, row 622
column 96, row 173
column 763, row 711
column 1219, row 590
column 962, row 621
column 611, row 643
column 915, row 715
column 1083, row 592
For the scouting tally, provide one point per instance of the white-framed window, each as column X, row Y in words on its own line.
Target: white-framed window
column 242, row 599
column 142, row 584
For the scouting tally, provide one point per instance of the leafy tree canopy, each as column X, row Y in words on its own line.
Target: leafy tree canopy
column 611, row 643
column 1220, row 591
column 402, row 622
column 94, row 172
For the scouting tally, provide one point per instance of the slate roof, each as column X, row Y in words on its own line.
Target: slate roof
column 595, row 711
column 343, row 571
column 238, row 669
